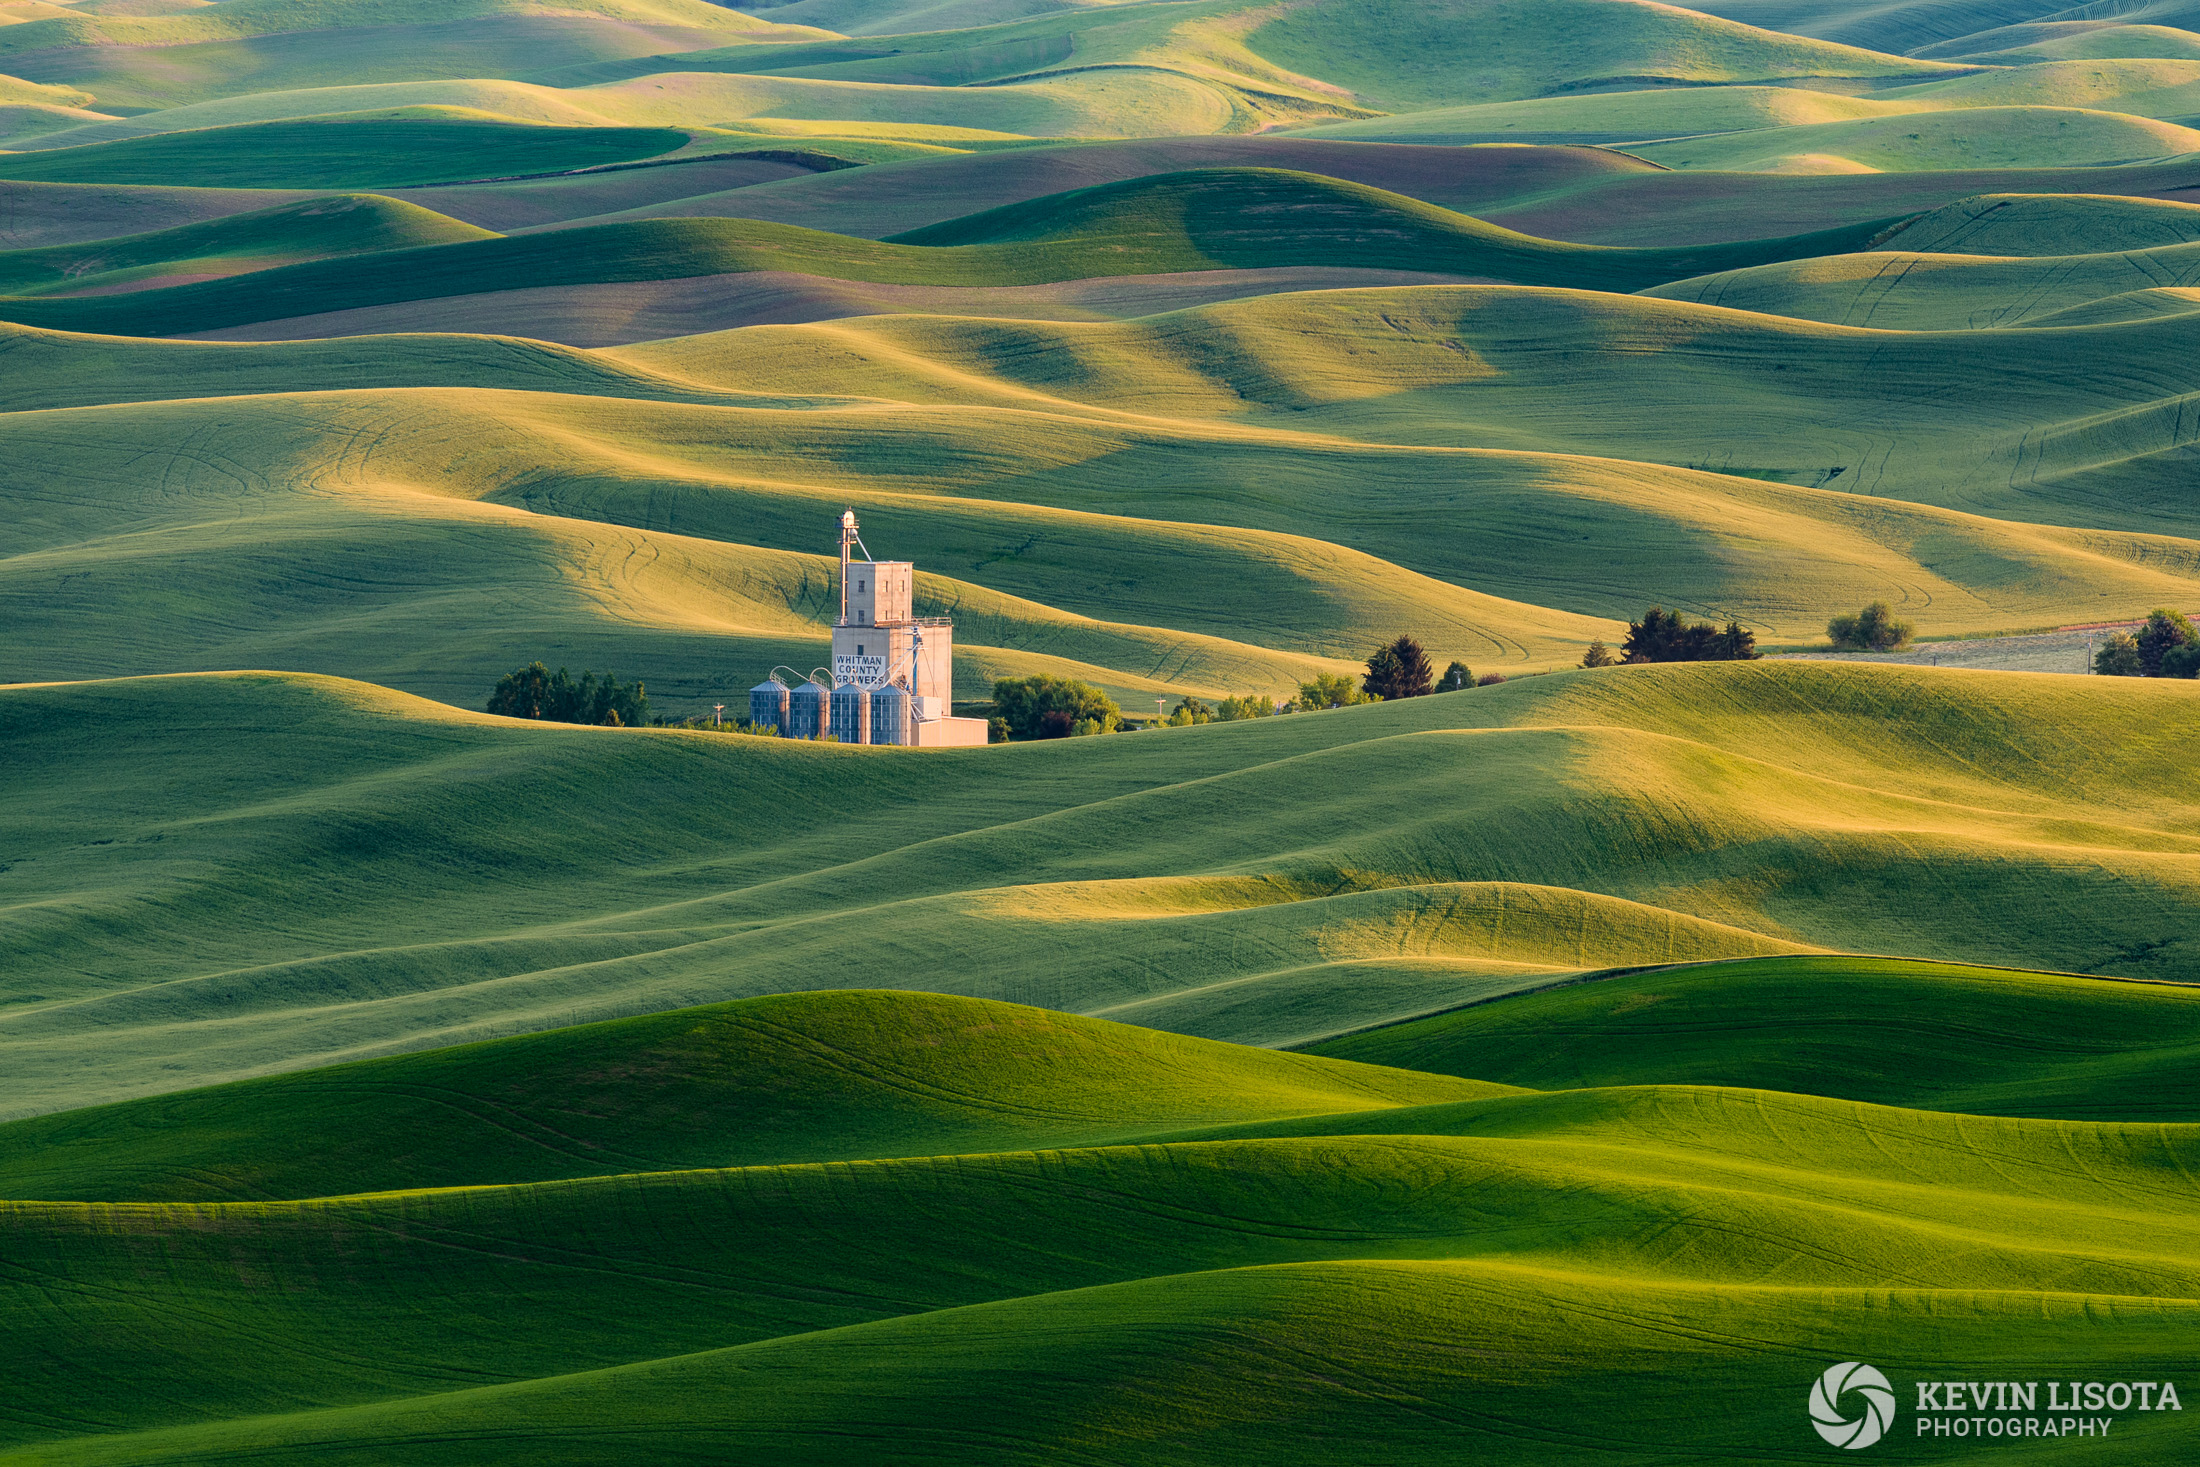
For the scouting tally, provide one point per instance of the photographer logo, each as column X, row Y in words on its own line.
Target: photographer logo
column 1871, row 1399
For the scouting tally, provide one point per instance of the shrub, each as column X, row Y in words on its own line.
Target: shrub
column 1330, row 690
column 1873, row 629
column 534, row 691
column 1662, row 636
column 1398, row 670
column 1489, row 679
column 1598, row 655
column 1456, row 676
column 2182, row 661
column 2119, row 657
column 996, row 730
column 2165, row 631
column 1024, row 704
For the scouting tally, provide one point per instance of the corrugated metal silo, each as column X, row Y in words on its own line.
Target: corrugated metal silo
column 768, row 703
column 852, row 714
column 806, row 712
column 891, row 716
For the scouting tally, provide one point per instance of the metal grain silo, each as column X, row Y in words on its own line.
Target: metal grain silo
column 768, row 703
column 807, row 711
column 892, row 716
column 851, row 722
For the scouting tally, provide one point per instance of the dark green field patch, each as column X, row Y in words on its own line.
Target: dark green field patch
column 1892, row 1031
column 343, row 153
column 324, row 228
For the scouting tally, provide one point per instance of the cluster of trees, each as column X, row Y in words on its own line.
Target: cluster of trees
column 534, row 691
column 1044, row 707
column 2167, row 646
column 1229, row 710
column 1665, row 636
column 1873, row 629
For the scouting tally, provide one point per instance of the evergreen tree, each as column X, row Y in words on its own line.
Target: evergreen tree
column 2165, row 631
column 1598, row 655
column 1738, row 644
column 535, row 692
column 1398, row 669
column 522, row 694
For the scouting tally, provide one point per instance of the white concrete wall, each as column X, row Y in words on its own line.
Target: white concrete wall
column 951, row 733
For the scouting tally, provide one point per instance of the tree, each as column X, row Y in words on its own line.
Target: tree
column 1598, row 655
column 1057, row 723
column 1248, row 705
column 1873, row 629
column 1330, row 690
column 2119, row 657
column 1456, row 676
column 1662, row 636
column 534, row 691
column 1190, row 711
column 2182, row 661
column 1023, row 703
column 1398, row 669
column 522, row 694
column 2165, row 631
column 996, row 730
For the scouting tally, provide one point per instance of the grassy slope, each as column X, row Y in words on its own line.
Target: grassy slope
column 1246, row 218
column 1196, row 1297
column 318, row 228
column 1069, row 467
column 1889, row 1031
column 1402, row 57
column 2033, row 224
column 1728, row 810
column 1895, row 290
column 760, row 1082
column 1983, row 137
column 344, row 153
column 265, row 45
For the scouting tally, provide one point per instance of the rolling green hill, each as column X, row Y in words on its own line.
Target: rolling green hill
column 1895, row 290
column 318, row 228
column 867, row 1075
column 1438, row 1236
column 344, row 153
column 1938, row 1036
column 1404, row 57
column 196, row 53
column 1235, row 219
column 1981, row 137
column 208, row 890
column 2031, row 224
